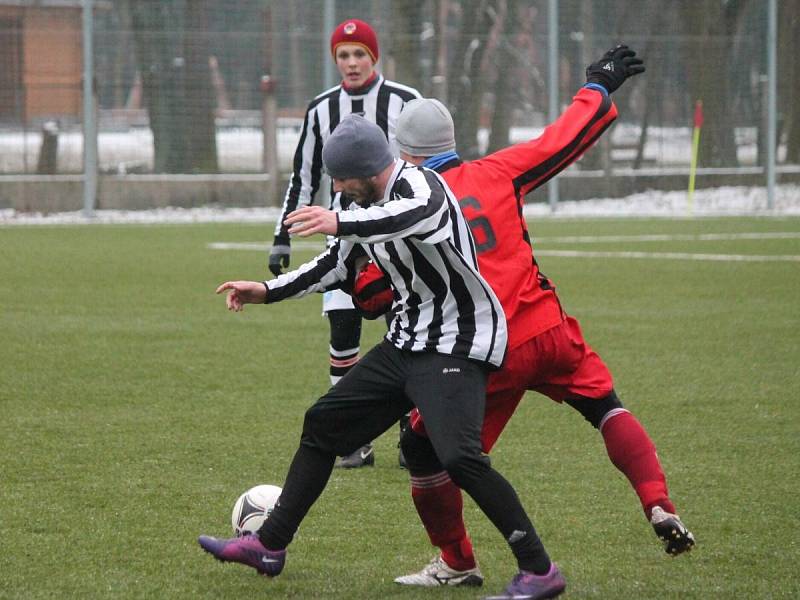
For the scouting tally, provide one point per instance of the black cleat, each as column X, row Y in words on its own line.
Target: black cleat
column 405, row 422
column 670, row 530
column 401, row 459
column 363, row 457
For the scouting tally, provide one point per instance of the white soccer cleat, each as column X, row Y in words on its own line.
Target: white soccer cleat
column 437, row 573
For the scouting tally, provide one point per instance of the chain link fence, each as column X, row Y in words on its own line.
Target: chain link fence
column 183, row 103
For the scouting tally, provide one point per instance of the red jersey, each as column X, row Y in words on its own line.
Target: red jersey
column 491, row 192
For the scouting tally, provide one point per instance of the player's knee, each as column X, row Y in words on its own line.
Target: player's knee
column 314, row 416
column 311, row 422
column 320, row 431
column 419, row 453
column 464, row 469
column 345, row 329
column 592, row 409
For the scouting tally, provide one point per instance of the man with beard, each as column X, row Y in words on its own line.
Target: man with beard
column 447, row 333
column 364, row 91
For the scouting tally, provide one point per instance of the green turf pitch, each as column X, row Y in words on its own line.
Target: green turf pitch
column 135, row 409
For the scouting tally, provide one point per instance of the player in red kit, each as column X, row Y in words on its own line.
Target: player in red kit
column 547, row 352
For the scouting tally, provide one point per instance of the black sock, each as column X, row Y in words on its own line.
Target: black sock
column 498, row 500
column 531, row 555
column 308, row 475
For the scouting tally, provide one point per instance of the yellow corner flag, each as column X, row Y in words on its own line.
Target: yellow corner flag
column 698, row 123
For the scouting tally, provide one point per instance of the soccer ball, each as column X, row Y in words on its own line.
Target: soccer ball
column 253, row 508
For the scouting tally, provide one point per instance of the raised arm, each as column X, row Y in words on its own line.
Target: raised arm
column 532, row 163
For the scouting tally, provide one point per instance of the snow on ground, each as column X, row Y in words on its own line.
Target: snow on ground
column 724, row 201
column 239, row 149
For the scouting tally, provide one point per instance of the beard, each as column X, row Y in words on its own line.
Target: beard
column 365, row 193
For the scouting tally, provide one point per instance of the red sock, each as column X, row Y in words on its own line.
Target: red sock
column 632, row 452
column 439, row 505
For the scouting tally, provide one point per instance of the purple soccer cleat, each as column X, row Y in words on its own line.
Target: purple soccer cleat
column 247, row 550
column 527, row 586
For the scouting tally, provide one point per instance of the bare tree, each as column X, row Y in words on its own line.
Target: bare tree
column 789, row 68
column 406, row 22
column 710, row 24
column 658, row 18
column 504, row 60
column 172, row 56
column 198, row 92
column 466, row 81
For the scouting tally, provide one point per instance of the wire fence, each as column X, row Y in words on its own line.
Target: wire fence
column 179, row 85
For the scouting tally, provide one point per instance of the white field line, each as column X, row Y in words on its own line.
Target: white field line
column 309, row 245
column 666, row 237
column 262, row 246
column 672, row 256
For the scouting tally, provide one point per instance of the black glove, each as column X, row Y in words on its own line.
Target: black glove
column 614, row 68
column 279, row 256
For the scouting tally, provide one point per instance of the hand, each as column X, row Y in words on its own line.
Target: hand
column 279, row 257
column 309, row 220
column 243, row 292
column 614, row 68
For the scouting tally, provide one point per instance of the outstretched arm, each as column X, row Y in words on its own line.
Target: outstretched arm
column 334, row 268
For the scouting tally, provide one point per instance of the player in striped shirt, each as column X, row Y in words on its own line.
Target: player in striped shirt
column 364, row 91
column 447, row 332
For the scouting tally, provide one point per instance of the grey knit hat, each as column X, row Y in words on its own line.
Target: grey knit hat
column 425, row 128
column 357, row 149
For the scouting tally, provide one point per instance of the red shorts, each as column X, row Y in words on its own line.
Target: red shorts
column 557, row 363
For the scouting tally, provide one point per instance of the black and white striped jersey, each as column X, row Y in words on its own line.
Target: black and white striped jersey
column 381, row 103
column 418, row 237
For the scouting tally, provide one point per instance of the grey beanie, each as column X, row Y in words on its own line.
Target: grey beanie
column 425, row 128
column 357, row 149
